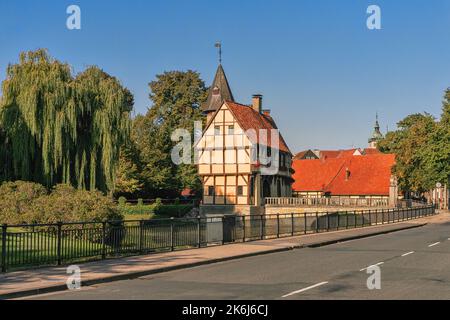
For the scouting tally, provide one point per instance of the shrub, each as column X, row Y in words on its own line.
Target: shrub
column 68, row 204
column 16, row 198
column 122, row 201
column 27, row 202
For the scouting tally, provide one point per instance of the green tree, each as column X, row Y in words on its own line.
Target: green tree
column 128, row 178
column 408, row 144
column 59, row 128
column 176, row 97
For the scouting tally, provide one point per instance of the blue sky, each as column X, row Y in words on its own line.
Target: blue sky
column 323, row 74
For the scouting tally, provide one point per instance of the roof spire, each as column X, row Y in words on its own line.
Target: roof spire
column 219, row 46
column 220, row 89
column 376, row 135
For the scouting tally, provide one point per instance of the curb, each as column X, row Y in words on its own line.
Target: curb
column 137, row 274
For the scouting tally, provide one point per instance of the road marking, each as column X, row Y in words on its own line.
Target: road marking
column 305, row 289
column 407, row 254
column 373, row 265
column 434, row 244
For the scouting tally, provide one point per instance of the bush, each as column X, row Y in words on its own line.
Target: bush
column 68, row 204
column 26, row 202
column 16, row 198
column 122, row 201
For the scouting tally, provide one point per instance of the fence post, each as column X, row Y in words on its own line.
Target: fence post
column 172, row 235
column 199, row 232
column 338, row 215
column 346, row 219
column 278, row 225
column 262, row 227
column 292, row 224
column 141, row 236
column 104, row 240
column 305, row 220
column 317, row 222
column 244, row 227
column 4, row 235
column 58, row 247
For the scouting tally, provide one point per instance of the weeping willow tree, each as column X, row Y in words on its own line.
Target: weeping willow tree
column 57, row 128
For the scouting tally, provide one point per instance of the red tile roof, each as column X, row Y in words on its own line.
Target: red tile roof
column 315, row 174
column 369, row 175
column 248, row 118
column 371, row 151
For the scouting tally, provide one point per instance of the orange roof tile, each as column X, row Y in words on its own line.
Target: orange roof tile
column 369, row 175
column 248, row 118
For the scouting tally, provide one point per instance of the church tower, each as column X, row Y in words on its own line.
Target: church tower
column 218, row 93
column 376, row 135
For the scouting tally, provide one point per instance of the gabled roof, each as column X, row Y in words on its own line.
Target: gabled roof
column 315, row 174
column 306, row 154
column 218, row 92
column 368, row 175
column 248, row 119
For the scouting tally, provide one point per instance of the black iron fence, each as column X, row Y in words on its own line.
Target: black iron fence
column 26, row 246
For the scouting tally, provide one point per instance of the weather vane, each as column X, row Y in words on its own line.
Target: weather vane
column 219, row 46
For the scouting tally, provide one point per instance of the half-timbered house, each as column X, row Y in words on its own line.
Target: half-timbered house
column 234, row 179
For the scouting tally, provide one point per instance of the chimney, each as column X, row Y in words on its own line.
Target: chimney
column 257, row 102
column 347, row 174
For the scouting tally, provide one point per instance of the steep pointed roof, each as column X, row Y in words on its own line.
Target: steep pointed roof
column 376, row 135
column 218, row 92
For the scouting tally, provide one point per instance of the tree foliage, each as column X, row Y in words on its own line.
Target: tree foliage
column 28, row 202
column 422, row 148
column 57, row 128
column 176, row 97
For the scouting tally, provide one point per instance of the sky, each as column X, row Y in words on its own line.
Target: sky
column 322, row 72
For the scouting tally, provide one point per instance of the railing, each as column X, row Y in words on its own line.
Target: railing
column 25, row 246
column 326, row 201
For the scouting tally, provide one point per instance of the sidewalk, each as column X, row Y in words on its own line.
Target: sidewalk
column 31, row 282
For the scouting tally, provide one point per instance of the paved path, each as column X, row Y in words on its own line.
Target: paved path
column 50, row 279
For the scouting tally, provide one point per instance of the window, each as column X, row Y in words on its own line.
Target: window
column 240, row 190
column 210, row 190
column 230, row 130
column 217, row 130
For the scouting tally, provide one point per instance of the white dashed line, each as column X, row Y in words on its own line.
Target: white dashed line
column 407, row 254
column 433, row 244
column 376, row 264
column 305, row 289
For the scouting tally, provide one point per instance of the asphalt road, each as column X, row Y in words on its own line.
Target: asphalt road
column 415, row 264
